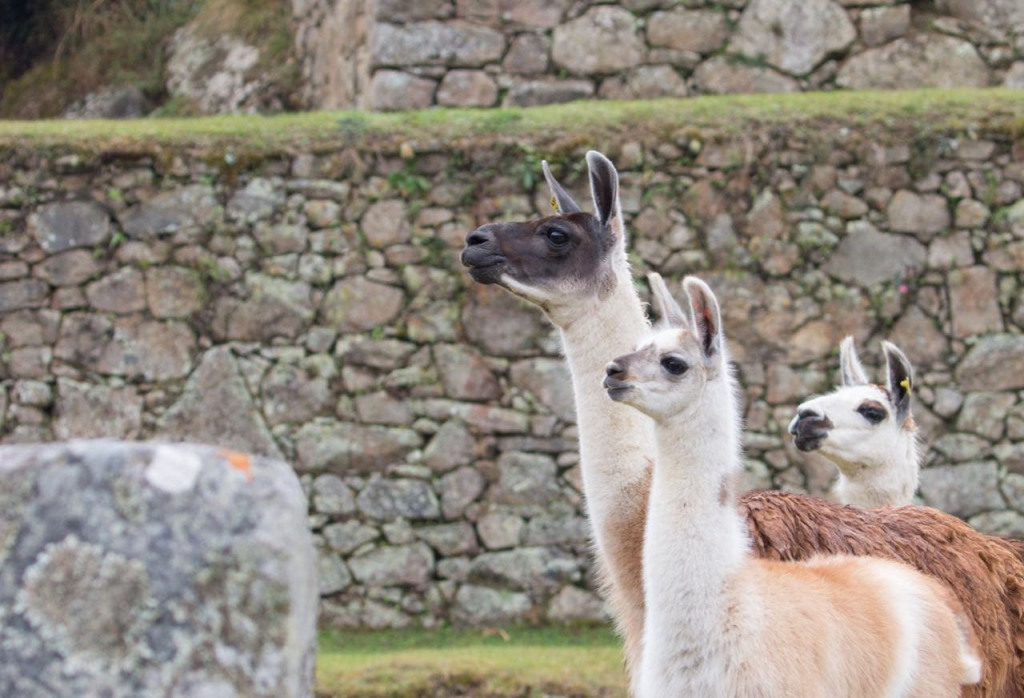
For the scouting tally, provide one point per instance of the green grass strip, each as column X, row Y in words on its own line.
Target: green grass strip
column 1001, row 110
column 496, row 664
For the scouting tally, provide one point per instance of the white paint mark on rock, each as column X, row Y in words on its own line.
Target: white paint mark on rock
column 173, row 470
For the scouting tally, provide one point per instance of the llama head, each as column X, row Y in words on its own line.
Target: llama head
column 859, row 423
column 556, row 260
column 670, row 371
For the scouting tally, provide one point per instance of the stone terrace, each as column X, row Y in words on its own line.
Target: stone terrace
column 392, row 54
column 307, row 303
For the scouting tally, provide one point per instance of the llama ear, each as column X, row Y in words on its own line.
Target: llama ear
column 706, row 316
column 850, row 371
column 604, row 186
column 899, row 378
column 561, row 202
column 669, row 312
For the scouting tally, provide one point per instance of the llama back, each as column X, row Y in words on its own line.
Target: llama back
column 869, row 627
column 935, row 647
column 985, row 573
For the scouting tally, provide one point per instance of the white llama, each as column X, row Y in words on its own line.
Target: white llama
column 867, row 430
column 720, row 622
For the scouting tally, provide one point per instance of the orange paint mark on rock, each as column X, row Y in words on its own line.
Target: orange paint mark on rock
column 238, row 461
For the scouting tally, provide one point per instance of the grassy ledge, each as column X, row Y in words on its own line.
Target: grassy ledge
column 973, row 112
column 571, row 662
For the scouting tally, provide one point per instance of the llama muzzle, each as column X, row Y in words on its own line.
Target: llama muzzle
column 809, row 430
column 614, row 382
column 481, row 256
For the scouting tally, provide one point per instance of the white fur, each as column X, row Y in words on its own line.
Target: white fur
column 879, row 464
column 720, row 623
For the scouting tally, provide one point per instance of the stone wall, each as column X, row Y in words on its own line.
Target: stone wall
column 307, row 303
column 391, row 54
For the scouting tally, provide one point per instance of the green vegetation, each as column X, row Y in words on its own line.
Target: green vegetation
column 553, row 128
column 408, row 183
column 519, row 662
column 54, row 52
column 85, row 44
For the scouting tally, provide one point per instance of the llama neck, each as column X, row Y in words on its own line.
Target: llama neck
column 616, row 441
column 616, row 446
column 890, row 479
column 696, row 540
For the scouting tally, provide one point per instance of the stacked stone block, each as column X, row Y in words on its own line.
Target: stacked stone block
column 309, row 309
column 386, row 55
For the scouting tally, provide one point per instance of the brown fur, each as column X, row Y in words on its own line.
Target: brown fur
column 625, row 594
column 875, row 403
column 908, row 423
column 847, row 593
column 985, row 573
column 848, row 589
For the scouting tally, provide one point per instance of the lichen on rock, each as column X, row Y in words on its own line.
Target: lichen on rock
column 91, row 606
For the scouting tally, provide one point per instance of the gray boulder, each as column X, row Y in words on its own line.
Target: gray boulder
column 534, row 93
column 995, row 15
column 724, row 75
column 996, row 362
column 467, row 88
column 700, row 31
column 604, row 40
column 867, row 256
column 537, row 571
column 217, row 74
column 387, row 500
column 396, row 90
column 356, row 304
column 274, row 308
column 925, row 215
column 963, row 490
column 927, row 60
column 478, row 605
column 63, row 225
column 258, row 201
column 23, row 293
column 399, row 565
column 348, row 448
column 186, row 209
column 456, row 43
column 134, row 569
column 216, row 408
column 110, row 102
column 793, row 36
column 549, row 381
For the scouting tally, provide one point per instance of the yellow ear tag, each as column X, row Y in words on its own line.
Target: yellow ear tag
column 554, row 204
column 905, row 384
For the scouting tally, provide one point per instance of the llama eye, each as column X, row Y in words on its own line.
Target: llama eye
column 673, row 365
column 871, row 413
column 556, row 237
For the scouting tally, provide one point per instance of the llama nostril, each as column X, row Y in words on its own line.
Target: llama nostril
column 478, row 237
column 802, row 416
column 614, row 370
column 809, row 424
